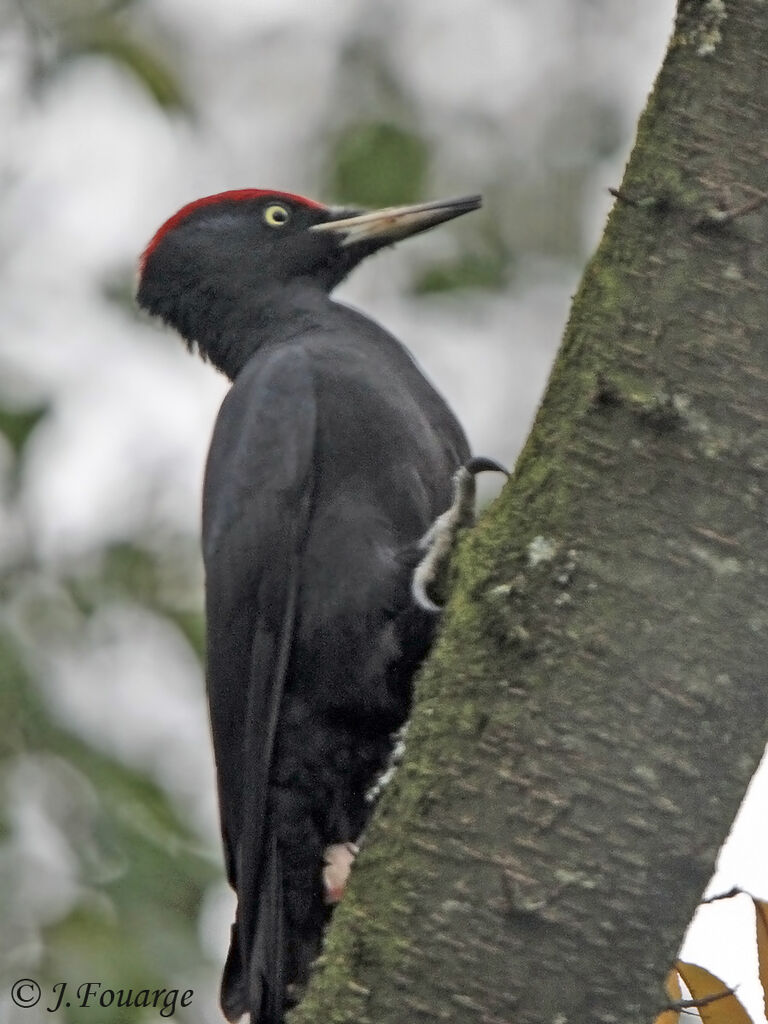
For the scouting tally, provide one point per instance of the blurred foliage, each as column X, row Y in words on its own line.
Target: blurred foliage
column 118, row 286
column 16, row 425
column 128, row 573
column 113, row 890
column 378, row 164
column 375, row 154
column 133, row 874
column 61, row 31
column 490, row 267
column 109, row 39
column 133, row 894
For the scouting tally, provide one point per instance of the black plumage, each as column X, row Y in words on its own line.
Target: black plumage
column 331, row 456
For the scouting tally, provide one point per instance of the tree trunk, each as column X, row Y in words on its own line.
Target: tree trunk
column 590, row 719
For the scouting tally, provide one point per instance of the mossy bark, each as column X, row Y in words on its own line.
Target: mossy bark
column 593, row 712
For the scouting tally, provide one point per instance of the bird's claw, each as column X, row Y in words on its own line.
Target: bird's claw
column 338, row 860
column 430, row 578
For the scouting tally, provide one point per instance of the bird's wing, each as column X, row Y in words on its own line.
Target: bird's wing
column 257, row 500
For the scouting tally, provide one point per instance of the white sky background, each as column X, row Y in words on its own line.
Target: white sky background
column 92, row 166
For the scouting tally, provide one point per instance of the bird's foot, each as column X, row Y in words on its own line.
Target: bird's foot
column 430, row 578
column 338, row 859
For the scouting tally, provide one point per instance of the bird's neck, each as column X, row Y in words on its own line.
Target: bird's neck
column 228, row 331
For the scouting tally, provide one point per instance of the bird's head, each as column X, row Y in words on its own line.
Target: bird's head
column 254, row 238
column 224, row 251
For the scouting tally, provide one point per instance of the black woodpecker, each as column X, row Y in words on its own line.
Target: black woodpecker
column 331, row 459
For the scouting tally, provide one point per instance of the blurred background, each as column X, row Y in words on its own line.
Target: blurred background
column 113, row 114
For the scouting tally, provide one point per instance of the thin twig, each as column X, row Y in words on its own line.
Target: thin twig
column 623, row 197
column 716, row 218
column 735, row 891
column 681, row 1005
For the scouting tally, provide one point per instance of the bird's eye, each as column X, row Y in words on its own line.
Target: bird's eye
column 276, row 215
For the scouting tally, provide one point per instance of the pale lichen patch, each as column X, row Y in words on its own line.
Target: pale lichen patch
column 714, row 439
column 707, row 35
column 647, row 774
column 720, row 566
column 694, row 420
column 541, row 549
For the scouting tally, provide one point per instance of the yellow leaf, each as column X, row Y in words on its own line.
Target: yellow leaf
column 672, row 988
column 761, row 918
column 703, row 986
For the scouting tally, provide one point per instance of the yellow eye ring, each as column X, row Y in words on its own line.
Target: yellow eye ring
column 276, row 216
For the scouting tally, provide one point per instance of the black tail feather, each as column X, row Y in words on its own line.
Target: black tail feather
column 254, row 978
column 266, row 968
column 234, row 1001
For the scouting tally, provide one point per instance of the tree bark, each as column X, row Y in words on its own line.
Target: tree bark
column 589, row 721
